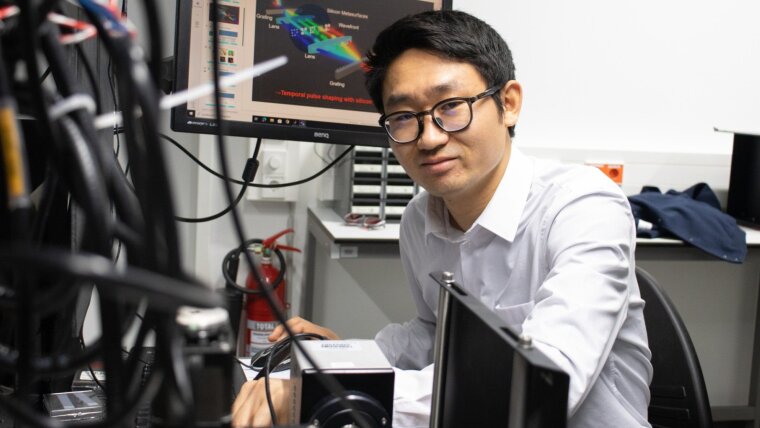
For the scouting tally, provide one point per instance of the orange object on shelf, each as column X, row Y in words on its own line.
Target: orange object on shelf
column 612, row 170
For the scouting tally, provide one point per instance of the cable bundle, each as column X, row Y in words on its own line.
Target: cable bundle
column 63, row 231
column 74, row 218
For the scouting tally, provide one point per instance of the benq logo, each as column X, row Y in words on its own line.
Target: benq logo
column 325, row 135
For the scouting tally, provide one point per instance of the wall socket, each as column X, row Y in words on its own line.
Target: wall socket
column 278, row 163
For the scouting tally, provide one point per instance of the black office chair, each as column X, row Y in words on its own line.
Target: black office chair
column 679, row 397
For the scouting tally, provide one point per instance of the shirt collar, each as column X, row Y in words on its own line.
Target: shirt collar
column 504, row 210
column 436, row 217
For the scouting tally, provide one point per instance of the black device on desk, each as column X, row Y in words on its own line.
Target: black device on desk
column 744, row 185
column 485, row 374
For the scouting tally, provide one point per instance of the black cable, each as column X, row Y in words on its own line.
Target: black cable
column 52, row 364
column 154, row 38
column 49, row 191
column 118, row 252
column 234, row 255
column 251, row 166
column 79, row 141
column 125, row 202
column 47, row 6
column 277, row 353
column 110, row 314
column 263, row 186
column 55, row 299
column 27, row 323
column 125, row 283
column 130, row 354
column 45, row 75
column 110, row 74
column 137, row 90
column 329, row 382
column 90, row 72
column 217, row 215
column 268, row 391
column 256, row 148
column 138, row 344
column 83, row 143
column 90, row 191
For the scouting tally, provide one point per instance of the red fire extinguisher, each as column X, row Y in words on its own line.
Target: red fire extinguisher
column 260, row 319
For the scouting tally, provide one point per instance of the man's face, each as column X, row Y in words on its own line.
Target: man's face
column 456, row 165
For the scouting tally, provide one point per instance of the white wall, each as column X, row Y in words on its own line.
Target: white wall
column 646, row 75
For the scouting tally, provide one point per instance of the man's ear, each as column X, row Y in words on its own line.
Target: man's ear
column 511, row 97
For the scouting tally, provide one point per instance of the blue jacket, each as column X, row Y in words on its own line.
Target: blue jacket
column 694, row 216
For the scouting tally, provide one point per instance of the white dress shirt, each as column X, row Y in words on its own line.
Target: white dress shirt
column 553, row 255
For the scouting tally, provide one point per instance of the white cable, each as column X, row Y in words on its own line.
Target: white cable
column 72, row 103
column 114, row 119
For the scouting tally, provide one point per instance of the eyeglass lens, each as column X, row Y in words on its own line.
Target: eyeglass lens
column 450, row 115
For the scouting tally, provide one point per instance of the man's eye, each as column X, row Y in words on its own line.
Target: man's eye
column 401, row 118
column 451, row 106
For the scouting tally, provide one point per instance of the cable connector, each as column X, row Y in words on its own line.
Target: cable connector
column 249, row 172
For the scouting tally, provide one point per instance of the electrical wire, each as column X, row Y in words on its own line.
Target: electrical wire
column 161, row 252
column 26, row 322
column 129, row 283
column 90, row 72
column 221, row 213
column 263, row 186
column 327, row 381
column 138, row 215
column 233, row 257
column 44, row 75
column 78, row 164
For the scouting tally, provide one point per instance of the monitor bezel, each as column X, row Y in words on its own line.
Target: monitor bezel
column 318, row 132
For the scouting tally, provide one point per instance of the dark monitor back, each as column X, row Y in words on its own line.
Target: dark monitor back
column 744, row 184
column 486, row 376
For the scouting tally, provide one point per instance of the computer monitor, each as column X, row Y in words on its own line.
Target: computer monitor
column 319, row 95
column 488, row 376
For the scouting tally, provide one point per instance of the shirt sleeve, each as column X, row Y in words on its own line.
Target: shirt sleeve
column 412, row 397
column 409, row 345
column 409, row 348
column 581, row 305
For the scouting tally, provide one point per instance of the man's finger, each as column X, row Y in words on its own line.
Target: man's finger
column 295, row 324
column 243, row 407
column 276, row 333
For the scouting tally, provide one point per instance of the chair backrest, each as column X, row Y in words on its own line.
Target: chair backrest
column 679, row 397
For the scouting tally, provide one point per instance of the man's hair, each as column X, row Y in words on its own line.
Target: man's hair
column 449, row 34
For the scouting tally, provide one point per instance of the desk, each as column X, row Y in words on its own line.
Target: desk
column 343, row 264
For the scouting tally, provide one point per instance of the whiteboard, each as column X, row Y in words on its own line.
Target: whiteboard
column 646, row 75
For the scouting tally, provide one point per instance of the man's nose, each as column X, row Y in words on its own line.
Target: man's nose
column 432, row 135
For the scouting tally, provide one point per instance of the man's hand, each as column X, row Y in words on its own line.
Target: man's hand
column 299, row 325
column 250, row 408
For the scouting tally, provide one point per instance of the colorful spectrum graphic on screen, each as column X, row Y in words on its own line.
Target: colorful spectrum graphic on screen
column 327, row 41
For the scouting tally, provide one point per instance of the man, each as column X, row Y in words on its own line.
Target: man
column 550, row 248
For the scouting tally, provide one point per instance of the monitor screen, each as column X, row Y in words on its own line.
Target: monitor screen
column 485, row 375
column 318, row 95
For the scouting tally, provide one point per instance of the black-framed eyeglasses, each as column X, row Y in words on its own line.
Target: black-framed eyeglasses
column 450, row 115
